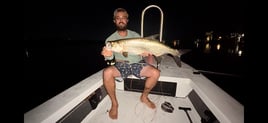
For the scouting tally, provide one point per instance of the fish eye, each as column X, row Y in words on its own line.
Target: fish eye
column 108, row 45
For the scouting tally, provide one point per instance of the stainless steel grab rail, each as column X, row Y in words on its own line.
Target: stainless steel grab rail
column 161, row 22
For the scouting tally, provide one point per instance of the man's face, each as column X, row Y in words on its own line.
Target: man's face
column 121, row 20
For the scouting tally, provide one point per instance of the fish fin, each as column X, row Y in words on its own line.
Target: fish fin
column 125, row 54
column 158, row 59
column 177, row 59
column 152, row 36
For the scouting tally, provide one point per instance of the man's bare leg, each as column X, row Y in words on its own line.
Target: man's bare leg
column 152, row 75
column 109, row 83
column 144, row 98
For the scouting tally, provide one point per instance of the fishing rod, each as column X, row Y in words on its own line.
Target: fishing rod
column 216, row 73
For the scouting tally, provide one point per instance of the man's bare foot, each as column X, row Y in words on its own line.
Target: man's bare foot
column 148, row 102
column 113, row 113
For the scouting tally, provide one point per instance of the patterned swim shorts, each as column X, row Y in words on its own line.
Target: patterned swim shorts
column 126, row 69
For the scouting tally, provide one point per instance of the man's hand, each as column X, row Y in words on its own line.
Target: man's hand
column 106, row 52
column 149, row 58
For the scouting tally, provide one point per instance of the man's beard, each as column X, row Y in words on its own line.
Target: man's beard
column 121, row 28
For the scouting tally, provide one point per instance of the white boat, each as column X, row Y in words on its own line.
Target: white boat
column 182, row 95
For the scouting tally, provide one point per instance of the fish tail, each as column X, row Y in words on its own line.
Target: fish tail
column 177, row 59
column 177, row 52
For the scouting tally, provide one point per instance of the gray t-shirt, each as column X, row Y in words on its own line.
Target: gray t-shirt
column 132, row 58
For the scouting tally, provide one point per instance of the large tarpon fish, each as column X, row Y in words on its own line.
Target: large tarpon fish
column 141, row 45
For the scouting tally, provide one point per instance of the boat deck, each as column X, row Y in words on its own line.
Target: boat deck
column 88, row 102
column 134, row 111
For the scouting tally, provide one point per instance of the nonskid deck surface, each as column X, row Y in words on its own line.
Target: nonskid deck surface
column 131, row 110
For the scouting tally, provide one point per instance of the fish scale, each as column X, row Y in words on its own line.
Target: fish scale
column 141, row 45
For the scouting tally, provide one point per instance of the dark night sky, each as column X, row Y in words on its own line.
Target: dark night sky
column 87, row 20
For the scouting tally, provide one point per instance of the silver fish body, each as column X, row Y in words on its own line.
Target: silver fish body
column 141, row 45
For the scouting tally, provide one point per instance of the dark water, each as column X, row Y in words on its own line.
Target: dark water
column 51, row 67
column 228, row 71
